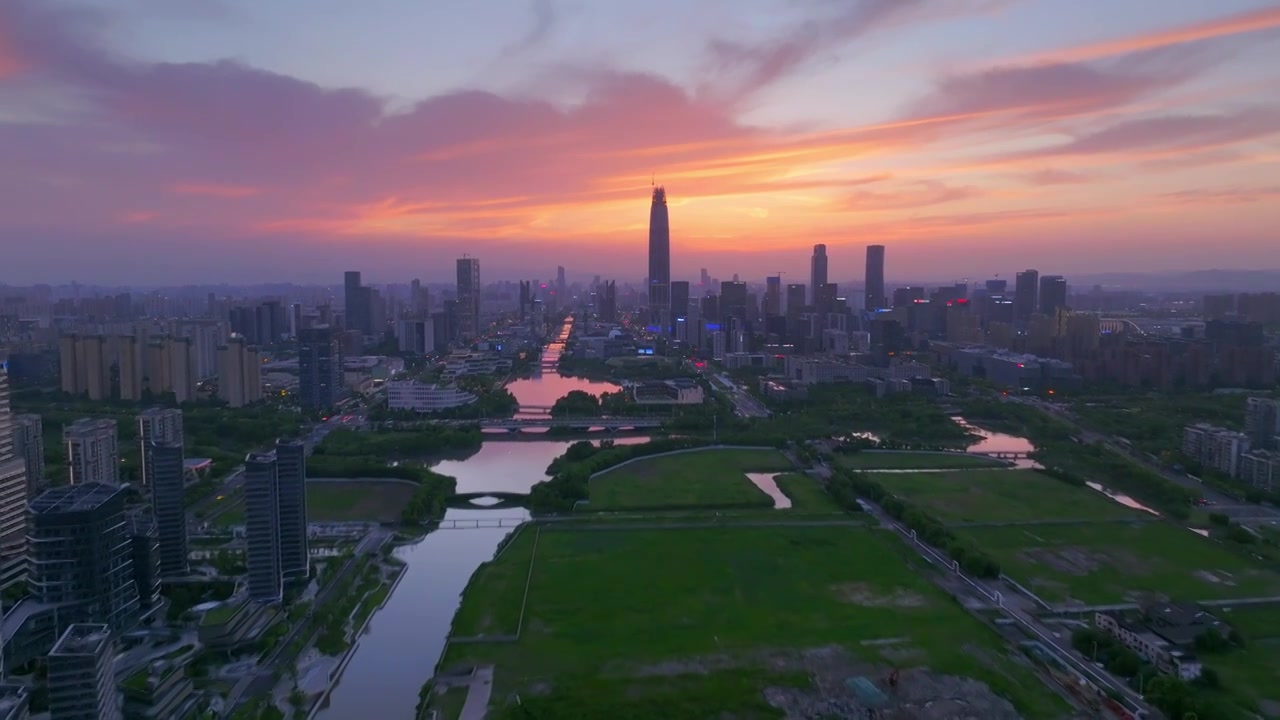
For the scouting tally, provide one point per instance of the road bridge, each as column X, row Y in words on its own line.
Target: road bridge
column 517, row 424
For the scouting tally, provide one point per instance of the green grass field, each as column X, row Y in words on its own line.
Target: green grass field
column 981, row 496
column 1117, row 562
column 369, row 500
column 806, row 494
column 914, row 461
column 499, row 615
column 710, row 478
column 1253, row 672
column 694, row 623
column 448, row 703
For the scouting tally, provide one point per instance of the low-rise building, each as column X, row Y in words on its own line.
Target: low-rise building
column 423, row 397
column 15, row 702
column 1011, row 370
column 1215, row 447
column 1167, row 657
column 234, row 623
column 162, row 690
column 818, row 370
column 681, row 391
column 461, row 364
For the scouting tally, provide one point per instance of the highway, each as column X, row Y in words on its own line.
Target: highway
column 1251, row 514
column 743, row 402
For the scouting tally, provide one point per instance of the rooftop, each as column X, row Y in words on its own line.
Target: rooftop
column 89, row 426
column 12, row 696
column 82, row 639
column 74, row 498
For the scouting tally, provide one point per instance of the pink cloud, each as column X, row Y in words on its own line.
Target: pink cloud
column 214, row 190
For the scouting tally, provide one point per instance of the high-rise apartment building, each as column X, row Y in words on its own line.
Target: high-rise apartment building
column 659, row 258
column 82, row 683
column 239, row 372
column 1053, row 294
column 875, row 297
column 1026, row 294
column 169, row 366
column 93, row 451
column 28, row 444
column 160, row 425
column 1262, row 423
column 84, row 366
column 469, row 297
column 817, row 270
column 129, row 367
column 320, row 383
column 275, row 519
column 163, row 465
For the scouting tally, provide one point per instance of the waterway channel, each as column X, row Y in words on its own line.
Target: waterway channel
column 399, row 649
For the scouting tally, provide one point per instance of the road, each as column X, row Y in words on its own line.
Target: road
column 1015, row 606
column 1241, row 512
column 743, row 402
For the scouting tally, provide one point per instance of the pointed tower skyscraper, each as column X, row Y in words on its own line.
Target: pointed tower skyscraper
column 659, row 259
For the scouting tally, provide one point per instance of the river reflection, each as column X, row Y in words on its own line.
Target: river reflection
column 512, row 466
column 546, row 385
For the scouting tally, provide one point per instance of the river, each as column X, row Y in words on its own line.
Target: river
column 399, row 649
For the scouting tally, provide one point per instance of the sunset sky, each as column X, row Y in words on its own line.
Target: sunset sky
column 171, row 141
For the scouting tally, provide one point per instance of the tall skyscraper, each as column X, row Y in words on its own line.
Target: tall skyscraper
column 82, row 682
column 239, row 372
column 773, row 295
column 659, row 258
column 679, row 300
column 875, row 298
column 356, row 302
column 93, row 452
column 14, row 489
column 163, row 464
column 733, row 300
column 608, row 309
column 1262, row 423
column 1053, row 294
column 817, row 270
column 1026, row 291
column 162, row 425
column 795, row 299
column 262, row 527
column 144, row 549
column 469, row 297
column 291, row 484
column 824, row 299
column 320, row 383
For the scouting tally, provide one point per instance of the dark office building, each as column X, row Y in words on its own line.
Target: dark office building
column 82, row 682
column 356, row 303
column 875, row 298
column 773, row 295
column 1026, row 291
column 818, row 270
column 164, row 467
column 320, row 384
column 607, row 308
column 262, row 527
column 526, row 298
column 276, row 520
column 679, row 300
column 291, row 483
column 906, row 296
column 825, row 298
column 469, row 298
column 444, row 326
column 659, row 258
column 1053, row 294
column 1234, row 332
column 81, row 556
column 733, row 300
column 795, row 299
column 711, row 309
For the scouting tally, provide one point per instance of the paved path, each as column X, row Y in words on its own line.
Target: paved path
column 478, row 692
column 610, row 526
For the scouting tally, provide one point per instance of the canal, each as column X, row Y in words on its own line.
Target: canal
column 399, row 649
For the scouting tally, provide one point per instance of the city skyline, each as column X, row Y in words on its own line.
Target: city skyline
column 145, row 143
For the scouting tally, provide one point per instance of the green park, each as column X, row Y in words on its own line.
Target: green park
column 702, row 479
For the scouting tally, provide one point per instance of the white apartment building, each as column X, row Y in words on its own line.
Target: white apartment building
column 425, row 397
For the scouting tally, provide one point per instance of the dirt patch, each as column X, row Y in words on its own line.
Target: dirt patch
column 857, row 593
column 1065, row 560
column 1216, row 578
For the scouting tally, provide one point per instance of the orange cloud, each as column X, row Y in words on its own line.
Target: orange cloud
column 214, row 190
column 1231, row 25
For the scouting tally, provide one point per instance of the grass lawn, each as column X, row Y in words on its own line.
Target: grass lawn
column 709, row 478
column 500, row 614
column 914, row 461
column 806, row 494
column 1115, row 562
column 694, row 623
column 366, row 500
column 973, row 496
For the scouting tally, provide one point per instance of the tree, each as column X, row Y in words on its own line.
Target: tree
column 1220, row 519
column 577, row 403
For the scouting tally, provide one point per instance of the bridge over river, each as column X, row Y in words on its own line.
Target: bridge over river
column 519, row 423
